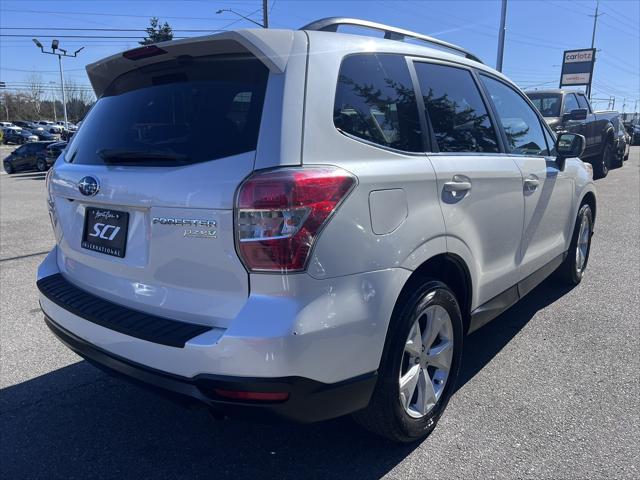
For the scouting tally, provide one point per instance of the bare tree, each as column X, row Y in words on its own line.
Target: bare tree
column 35, row 90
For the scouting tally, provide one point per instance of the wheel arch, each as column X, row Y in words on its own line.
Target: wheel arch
column 590, row 199
column 450, row 269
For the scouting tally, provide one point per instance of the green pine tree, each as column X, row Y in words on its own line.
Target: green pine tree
column 157, row 33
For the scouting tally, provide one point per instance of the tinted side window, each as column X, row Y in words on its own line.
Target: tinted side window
column 375, row 101
column 583, row 102
column 520, row 122
column 570, row 103
column 455, row 108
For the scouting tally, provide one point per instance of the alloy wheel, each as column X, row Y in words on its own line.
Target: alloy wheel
column 582, row 247
column 426, row 361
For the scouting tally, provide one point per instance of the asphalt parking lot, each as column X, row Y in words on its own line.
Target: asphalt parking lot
column 548, row 390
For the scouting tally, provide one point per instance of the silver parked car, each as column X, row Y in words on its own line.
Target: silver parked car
column 306, row 223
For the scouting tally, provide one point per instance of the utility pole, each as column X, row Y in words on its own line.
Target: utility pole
column 503, row 28
column 593, row 42
column 55, row 46
column 265, row 13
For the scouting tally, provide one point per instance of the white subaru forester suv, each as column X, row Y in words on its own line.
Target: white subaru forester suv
column 306, row 223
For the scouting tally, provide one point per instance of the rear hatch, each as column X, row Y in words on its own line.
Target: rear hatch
column 143, row 201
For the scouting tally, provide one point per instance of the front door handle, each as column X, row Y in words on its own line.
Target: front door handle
column 531, row 184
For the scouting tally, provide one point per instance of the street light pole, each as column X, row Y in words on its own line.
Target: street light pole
column 245, row 17
column 64, row 95
column 60, row 52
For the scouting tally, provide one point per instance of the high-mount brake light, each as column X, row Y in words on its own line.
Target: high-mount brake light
column 143, row 52
column 280, row 213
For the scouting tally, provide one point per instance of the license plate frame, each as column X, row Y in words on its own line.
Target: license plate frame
column 105, row 231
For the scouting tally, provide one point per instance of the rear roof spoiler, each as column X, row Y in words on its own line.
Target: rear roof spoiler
column 271, row 46
column 331, row 24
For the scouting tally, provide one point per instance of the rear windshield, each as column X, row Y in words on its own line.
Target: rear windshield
column 177, row 112
column 548, row 104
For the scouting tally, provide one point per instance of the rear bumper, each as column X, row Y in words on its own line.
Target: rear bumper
column 327, row 331
column 308, row 400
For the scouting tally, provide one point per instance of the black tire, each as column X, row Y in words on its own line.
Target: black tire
column 8, row 168
column 617, row 159
column 569, row 272
column 41, row 165
column 603, row 163
column 385, row 415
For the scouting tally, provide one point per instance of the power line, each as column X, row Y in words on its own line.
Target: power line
column 19, row 35
column 101, row 14
column 105, row 29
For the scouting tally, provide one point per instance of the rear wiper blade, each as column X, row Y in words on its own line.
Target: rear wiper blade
column 132, row 156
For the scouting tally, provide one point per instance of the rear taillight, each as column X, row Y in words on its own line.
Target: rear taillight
column 279, row 214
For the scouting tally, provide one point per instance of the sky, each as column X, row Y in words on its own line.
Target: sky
column 537, row 33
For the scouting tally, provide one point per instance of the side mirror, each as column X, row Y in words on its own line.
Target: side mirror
column 569, row 145
column 577, row 114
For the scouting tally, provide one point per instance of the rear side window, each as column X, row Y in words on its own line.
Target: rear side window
column 520, row 121
column 458, row 116
column 176, row 112
column 375, row 101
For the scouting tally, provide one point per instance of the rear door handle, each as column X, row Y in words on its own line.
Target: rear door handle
column 531, row 183
column 459, row 183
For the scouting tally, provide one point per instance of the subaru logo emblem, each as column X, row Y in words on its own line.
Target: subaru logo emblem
column 89, row 186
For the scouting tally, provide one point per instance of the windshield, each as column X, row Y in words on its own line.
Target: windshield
column 182, row 111
column 548, row 104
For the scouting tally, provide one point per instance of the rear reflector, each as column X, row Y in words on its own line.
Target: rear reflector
column 280, row 213
column 143, row 52
column 259, row 396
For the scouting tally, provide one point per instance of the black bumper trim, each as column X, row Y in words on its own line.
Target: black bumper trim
column 309, row 400
column 173, row 333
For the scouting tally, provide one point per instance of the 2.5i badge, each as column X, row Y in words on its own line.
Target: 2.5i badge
column 105, row 231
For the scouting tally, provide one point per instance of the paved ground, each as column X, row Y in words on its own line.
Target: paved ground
column 549, row 390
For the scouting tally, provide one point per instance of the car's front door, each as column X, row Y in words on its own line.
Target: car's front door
column 29, row 159
column 480, row 188
column 592, row 132
column 547, row 189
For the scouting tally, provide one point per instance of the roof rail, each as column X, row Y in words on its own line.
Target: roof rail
column 331, row 24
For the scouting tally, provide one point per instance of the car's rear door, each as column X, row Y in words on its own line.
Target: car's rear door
column 546, row 188
column 480, row 188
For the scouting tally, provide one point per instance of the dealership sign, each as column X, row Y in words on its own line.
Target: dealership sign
column 577, row 67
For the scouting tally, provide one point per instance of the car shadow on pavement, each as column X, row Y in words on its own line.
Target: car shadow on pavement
column 29, row 176
column 78, row 422
column 484, row 344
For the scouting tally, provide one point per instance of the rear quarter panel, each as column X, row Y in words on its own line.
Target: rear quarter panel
column 349, row 244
